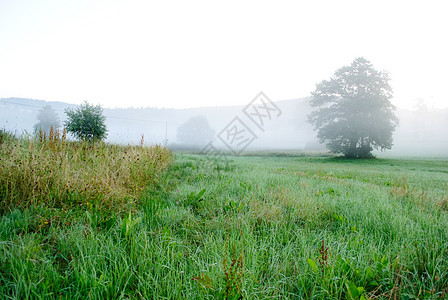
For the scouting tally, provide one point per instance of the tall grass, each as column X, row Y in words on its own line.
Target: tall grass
column 53, row 172
column 6, row 136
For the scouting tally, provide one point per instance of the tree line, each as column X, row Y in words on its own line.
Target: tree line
column 353, row 115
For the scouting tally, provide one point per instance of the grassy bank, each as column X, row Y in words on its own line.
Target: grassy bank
column 257, row 227
column 54, row 173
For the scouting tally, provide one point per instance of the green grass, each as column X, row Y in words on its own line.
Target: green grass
column 255, row 228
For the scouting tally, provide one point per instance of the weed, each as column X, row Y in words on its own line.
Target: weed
column 443, row 203
column 233, row 272
column 353, row 291
column 233, row 206
column 193, row 199
column 204, row 281
column 128, row 226
column 323, row 259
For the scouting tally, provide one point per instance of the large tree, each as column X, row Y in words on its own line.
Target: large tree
column 46, row 118
column 87, row 122
column 354, row 114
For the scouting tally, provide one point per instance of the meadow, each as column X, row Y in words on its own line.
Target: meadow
column 189, row 227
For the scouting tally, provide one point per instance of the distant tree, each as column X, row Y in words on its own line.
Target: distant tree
column 46, row 118
column 86, row 122
column 195, row 132
column 355, row 114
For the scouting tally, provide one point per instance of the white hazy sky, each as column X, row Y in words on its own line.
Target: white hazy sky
column 206, row 53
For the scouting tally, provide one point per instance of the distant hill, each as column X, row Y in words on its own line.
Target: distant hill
column 421, row 132
column 126, row 125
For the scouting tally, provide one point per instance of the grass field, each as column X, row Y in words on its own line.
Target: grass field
column 254, row 228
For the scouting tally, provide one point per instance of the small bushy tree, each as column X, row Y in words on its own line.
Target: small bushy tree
column 46, row 118
column 86, row 123
column 354, row 114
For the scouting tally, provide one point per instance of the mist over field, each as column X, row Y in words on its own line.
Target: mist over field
column 422, row 131
column 223, row 150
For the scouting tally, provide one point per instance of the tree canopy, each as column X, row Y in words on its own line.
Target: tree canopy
column 354, row 114
column 46, row 118
column 86, row 122
column 195, row 132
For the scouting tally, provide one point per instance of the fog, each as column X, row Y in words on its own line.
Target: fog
column 423, row 132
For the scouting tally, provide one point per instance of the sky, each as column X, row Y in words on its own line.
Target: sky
column 179, row 54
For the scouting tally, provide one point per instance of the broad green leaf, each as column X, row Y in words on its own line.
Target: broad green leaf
column 352, row 290
column 313, row 265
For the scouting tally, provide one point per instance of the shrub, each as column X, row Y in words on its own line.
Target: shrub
column 86, row 123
